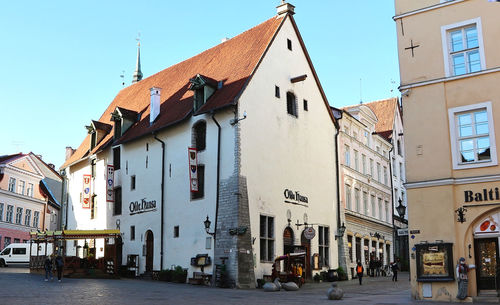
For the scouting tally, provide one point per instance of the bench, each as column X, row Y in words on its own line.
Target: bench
column 200, row 278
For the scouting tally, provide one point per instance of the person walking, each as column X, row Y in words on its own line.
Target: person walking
column 394, row 268
column 378, row 264
column 48, row 269
column 59, row 267
column 359, row 272
column 372, row 267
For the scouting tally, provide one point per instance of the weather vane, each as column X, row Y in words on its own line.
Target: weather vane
column 138, row 39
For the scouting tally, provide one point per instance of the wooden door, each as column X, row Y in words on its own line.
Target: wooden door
column 149, row 250
column 486, row 250
column 306, row 243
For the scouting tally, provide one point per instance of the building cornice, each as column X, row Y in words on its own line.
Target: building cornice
column 447, row 79
column 452, row 181
column 425, row 9
column 18, row 196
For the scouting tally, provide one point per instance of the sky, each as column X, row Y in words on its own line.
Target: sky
column 61, row 61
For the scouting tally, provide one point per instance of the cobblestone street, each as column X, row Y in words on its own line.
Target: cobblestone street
column 20, row 287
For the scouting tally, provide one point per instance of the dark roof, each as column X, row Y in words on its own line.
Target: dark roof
column 232, row 62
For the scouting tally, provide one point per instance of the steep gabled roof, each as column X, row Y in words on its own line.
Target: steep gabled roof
column 8, row 158
column 232, row 62
column 385, row 110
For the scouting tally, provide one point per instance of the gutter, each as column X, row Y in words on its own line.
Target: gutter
column 218, row 176
column 162, row 195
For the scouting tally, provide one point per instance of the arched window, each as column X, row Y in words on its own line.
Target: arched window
column 199, row 135
column 291, row 104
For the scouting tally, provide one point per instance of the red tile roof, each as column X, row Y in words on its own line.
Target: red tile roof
column 232, row 62
column 385, row 110
column 8, row 158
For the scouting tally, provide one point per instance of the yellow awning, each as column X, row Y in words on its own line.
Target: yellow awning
column 75, row 234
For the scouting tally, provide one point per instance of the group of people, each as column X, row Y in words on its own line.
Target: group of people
column 50, row 261
column 374, row 270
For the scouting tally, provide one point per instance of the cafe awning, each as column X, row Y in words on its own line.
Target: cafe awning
column 74, row 234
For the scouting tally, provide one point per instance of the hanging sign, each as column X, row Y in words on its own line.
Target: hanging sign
column 193, row 169
column 86, row 192
column 110, row 184
column 309, row 233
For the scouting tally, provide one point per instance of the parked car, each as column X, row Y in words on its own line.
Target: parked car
column 19, row 253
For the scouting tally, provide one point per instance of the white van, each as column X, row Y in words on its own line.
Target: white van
column 19, row 253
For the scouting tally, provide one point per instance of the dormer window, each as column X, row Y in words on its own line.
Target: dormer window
column 97, row 131
column 203, row 88
column 123, row 119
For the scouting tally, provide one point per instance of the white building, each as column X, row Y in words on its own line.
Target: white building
column 254, row 111
column 365, row 188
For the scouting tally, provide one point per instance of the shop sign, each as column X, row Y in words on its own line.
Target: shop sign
column 485, row 195
column 402, row 232
column 86, row 192
column 414, row 231
column 434, row 262
column 142, row 206
column 193, row 169
column 295, row 197
column 309, row 233
column 110, row 184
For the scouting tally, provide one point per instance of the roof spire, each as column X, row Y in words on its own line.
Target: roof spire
column 137, row 73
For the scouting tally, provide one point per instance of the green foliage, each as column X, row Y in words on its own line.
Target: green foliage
column 341, row 273
column 177, row 275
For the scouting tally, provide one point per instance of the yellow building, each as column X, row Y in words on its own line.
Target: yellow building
column 450, row 76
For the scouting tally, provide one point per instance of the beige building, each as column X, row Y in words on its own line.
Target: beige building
column 450, row 72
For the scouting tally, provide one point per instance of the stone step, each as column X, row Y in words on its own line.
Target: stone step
column 486, row 299
column 488, row 293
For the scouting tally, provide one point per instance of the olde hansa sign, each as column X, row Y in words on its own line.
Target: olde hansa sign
column 295, row 197
column 142, row 206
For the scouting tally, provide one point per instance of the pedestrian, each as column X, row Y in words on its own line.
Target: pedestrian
column 377, row 267
column 372, row 267
column 359, row 272
column 48, row 269
column 59, row 267
column 394, row 268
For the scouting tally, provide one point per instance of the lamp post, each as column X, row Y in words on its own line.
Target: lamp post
column 340, row 231
column 401, row 209
column 207, row 224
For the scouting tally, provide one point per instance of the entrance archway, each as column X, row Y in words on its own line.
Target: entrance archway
column 288, row 238
column 149, row 250
column 486, row 252
column 306, row 244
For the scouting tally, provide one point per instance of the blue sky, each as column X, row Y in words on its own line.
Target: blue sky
column 62, row 60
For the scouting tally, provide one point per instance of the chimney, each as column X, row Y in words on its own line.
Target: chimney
column 285, row 8
column 224, row 39
column 155, row 104
column 69, row 152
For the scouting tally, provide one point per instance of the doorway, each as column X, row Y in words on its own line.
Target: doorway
column 288, row 241
column 486, row 250
column 306, row 244
column 149, row 250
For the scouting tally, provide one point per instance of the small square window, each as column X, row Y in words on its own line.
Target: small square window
column 277, row 91
column 306, row 107
column 289, row 44
column 176, row 231
column 132, row 182
column 132, row 232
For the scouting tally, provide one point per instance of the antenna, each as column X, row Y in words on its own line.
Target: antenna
column 360, row 93
column 138, row 39
column 123, row 78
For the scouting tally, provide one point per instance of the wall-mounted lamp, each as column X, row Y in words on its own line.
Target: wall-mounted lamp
column 234, row 121
column 340, row 232
column 401, row 209
column 207, row 224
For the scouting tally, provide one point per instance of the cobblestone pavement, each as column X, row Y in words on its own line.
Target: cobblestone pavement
column 18, row 286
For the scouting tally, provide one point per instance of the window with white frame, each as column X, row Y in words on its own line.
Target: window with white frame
column 266, row 238
column 348, row 203
column 347, row 156
column 36, row 217
column 356, row 160
column 12, row 184
column 29, row 191
column 1, row 211
column 10, row 213
column 387, row 213
column 366, row 210
column 324, row 246
column 385, row 176
column 373, row 205
column 21, row 187
column 357, row 199
column 401, row 171
column 463, row 47
column 380, row 211
column 394, row 169
column 27, row 217
column 19, row 215
column 472, row 136
column 371, row 168
column 363, row 160
column 379, row 173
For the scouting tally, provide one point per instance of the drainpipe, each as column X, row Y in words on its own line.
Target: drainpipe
column 337, row 182
column 392, row 197
column 218, row 176
column 162, row 195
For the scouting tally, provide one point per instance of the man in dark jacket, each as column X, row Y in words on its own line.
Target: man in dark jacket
column 48, row 269
column 359, row 272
